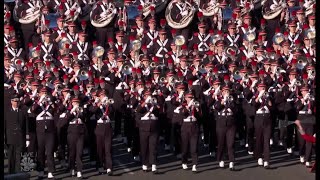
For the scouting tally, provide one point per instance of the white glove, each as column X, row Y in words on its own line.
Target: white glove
column 29, row 10
column 148, row 99
column 27, row 143
column 96, row 100
column 184, row 13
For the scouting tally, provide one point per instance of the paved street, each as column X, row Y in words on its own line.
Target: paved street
column 283, row 166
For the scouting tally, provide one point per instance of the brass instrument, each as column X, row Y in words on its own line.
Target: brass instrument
column 135, row 45
column 30, row 17
column 63, row 42
column 250, row 36
column 275, row 10
column 215, row 38
column 302, row 62
column 159, row 5
column 311, row 34
column 179, row 41
column 162, row 80
column 278, row 38
column 229, row 98
column 236, row 75
column 127, row 69
column 83, row 74
column 7, row 13
column 104, row 20
column 76, row 9
column 185, row 21
column 22, row 85
column 228, row 51
column 196, row 104
column 211, row 9
column 107, row 101
column 59, row 88
column 98, row 51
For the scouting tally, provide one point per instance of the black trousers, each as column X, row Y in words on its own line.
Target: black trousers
column 14, row 158
column 27, row 31
column 135, row 142
column 129, row 123
column 225, row 135
column 92, row 144
column 32, row 148
column 75, row 145
column 189, row 140
column 45, row 150
column 250, row 132
column 167, row 126
column 262, row 125
column 62, row 142
column 118, row 122
column 104, row 145
column 103, row 34
column 148, row 147
column 212, row 139
column 305, row 148
column 176, row 129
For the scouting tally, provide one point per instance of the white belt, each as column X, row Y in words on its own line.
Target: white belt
column 263, row 111
column 75, row 122
column 225, row 114
column 42, row 118
column 149, row 118
column 190, row 119
column 100, row 121
column 304, row 112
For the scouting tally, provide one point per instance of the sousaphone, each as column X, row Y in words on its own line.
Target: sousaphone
column 104, row 20
column 158, row 4
column 185, row 21
column 31, row 16
column 275, row 10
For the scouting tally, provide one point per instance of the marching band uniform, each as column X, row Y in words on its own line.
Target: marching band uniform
column 83, row 49
column 262, row 125
column 225, row 128
column 103, row 132
column 161, row 46
column 76, row 132
column 45, row 114
column 151, row 35
column 200, row 39
column 27, row 29
column 148, row 128
column 107, row 32
column 189, row 132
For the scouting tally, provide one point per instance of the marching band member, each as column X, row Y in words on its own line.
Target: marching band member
column 161, row 46
column 83, row 48
column 189, row 130
column 151, row 34
column 76, row 133
column 103, row 131
column 104, row 33
column 262, row 124
column 225, row 126
column 201, row 39
column 44, row 109
column 149, row 131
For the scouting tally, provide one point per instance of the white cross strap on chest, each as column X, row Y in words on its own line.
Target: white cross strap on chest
column 232, row 42
column 263, row 110
column 46, row 51
column 13, row 53
column 293, row 39
column 162, row 48
column 44, row 115
column 124, row 47
column 72, row 39
column 63, row 115
column 177, row 110
column 122, row 85
column 101, row 121
column 76, row 121
column 203, row 42
column 82, row 55
column 149, row 117
column 190, row 119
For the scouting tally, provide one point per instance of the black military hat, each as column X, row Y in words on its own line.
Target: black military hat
column 15, row 97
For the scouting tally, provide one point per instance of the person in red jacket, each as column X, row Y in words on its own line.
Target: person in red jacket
column 307, row 138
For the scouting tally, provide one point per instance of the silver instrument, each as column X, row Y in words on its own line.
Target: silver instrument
column 278, row 38
column 275, row 10
column 31, row 16
column 83, row 74
column 185, row 21
column 106, row 19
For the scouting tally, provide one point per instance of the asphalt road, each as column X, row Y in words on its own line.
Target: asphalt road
column 283, row 166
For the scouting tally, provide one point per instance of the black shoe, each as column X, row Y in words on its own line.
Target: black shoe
column 155, row 172
column 231, row 169
column 267, row 167
column 110, row 173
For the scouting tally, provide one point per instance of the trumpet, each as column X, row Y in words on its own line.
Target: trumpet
column 195, row 104
column 162, row 79
column 59, row 88
column 153, row 65
column 22, row 85
column 107, row 101
column 297, row 83
column 127, row 69
column 153, row 101
column 229, row 98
